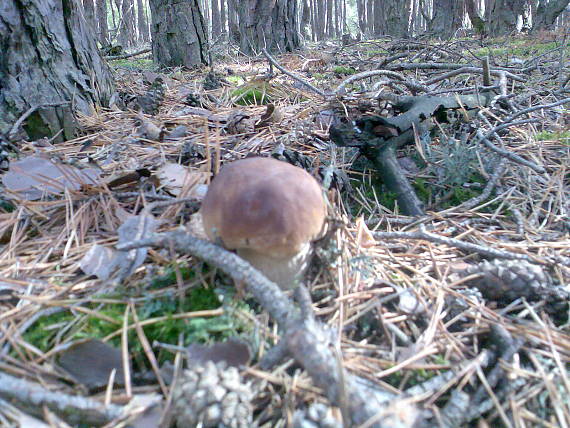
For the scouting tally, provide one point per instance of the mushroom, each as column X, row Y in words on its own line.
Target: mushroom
column 270, row 212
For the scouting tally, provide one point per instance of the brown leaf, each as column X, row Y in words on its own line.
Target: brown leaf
column 35, row 176
column 91, row 362
column 233, row 352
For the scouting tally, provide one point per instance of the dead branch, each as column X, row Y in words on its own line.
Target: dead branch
column 111, row 58
column 303, row 338
column 274, row 62
column 74, row 409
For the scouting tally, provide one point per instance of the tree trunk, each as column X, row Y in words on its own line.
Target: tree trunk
column 89, row 9
column 103, row 33
column 447, row 18
column 502, row 16
column 330, row 24
column 369, row 16
column 546, row 14
column 361, row 11
column 232, row 21
column 142, row 23
column 378, row 18
column 475, row 17
column 272, row 25
column 223, row 16
column 178, row 33
column 306, row 19
column 397, row 13
column 127, row 28
column 216, row 19
column 49, row 56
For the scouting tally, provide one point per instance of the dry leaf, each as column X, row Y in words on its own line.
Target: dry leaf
column 91, row 362
column 233, row 352
column 364, row 237
column 175, row 178
column 35, row 176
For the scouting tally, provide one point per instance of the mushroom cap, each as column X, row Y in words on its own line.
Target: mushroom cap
column 264, row 205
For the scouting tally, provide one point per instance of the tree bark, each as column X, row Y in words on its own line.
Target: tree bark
column 216, row 19
column 305, row 19
column 103, row 33
column 178, row 33
column 361, row 11
column 127, row 26
column 232, row 21
column 397, row 13
column 447, row 17
column 142, row 23
column 502, row 16
column 89, row 9
column 223, row 16
column 546, row 14
column 49, row 55
column 265, row 24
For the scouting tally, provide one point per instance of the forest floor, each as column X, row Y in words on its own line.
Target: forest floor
column 459, row 316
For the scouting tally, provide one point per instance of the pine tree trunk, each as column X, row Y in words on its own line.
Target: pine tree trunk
column 546, row 14
column 142, row 23
column 50, row 56
column 178, row 33
column 89, row 9
column 103, row 33
column 397, row 13
column 268, row 24
column 223, row 16
column 216, row 19
column 447, row 18
column 502, row 16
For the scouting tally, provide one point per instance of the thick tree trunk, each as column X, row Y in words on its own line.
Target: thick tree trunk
column 89, row 9
column 361, row 11
column 223, row 16
column 330, row 22
column 178, row 33
column 127, row 26
column 232, row 21
column 142, row 23
column 103, row 33
column 49, row 56
column 216, row 19
column 397, row 13
column 306, row 19
column 379, row 20
column 447, row 18
column 502, row 16
column 475, row 17
column 265, row 24
column 546, row 14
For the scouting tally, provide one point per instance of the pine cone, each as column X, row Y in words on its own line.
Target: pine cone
column 317, row 415
column 193, row 100
column 153, row 98
column 213, row 395
column 508, row 280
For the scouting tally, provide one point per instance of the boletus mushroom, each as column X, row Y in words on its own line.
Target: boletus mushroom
column 269, row 212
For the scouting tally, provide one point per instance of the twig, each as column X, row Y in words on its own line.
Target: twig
column 452, row 242
column 509, row 155
column 415, row 86
column 307, row 340
column 111, row 58
column 28, row 113
column 274, row 62
column 73, row 409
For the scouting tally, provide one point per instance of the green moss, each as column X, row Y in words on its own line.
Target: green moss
column 563, row 137
column 235, row 79
column 343, row 71
column 248, row 95
column 44, row 333
column 134, row 64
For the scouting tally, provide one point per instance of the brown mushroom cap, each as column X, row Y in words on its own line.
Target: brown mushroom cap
column 264, row 205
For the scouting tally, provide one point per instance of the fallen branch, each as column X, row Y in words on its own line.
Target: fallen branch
column 303, row 338
column 274, row 62
column 114, row 57
column 74, row 409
